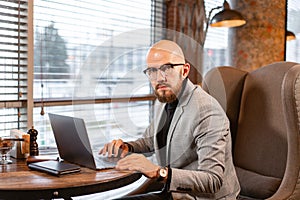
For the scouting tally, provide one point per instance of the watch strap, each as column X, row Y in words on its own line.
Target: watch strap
column 168, row 183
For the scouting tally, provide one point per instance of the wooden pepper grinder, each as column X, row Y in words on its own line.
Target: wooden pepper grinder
column 34, row 149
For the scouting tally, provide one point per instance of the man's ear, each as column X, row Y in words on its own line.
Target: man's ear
column 186, row 70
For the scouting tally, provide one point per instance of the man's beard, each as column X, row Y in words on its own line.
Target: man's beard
column 163, row 97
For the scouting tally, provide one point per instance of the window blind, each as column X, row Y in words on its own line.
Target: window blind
column 13, row 64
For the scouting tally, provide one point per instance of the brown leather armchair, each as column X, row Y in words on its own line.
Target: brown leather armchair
column 264, row 111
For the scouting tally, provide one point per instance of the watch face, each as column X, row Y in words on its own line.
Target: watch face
column 163, row 172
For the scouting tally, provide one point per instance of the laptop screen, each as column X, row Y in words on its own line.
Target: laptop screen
column 72, row 140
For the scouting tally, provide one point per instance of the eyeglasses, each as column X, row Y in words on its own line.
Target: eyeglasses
column 151, row 72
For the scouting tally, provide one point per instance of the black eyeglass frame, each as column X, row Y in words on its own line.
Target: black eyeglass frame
column 162, row 68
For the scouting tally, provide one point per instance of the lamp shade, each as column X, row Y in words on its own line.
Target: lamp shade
column 227, row 18
column 290, row 36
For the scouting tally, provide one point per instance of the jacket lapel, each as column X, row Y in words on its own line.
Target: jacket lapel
column 183, row 101
column 158, row 115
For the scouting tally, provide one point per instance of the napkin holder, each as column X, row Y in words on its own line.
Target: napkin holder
column 21, row 148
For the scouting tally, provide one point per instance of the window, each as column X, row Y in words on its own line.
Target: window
column 88, row 62
column 216, row 52
column 293, row 16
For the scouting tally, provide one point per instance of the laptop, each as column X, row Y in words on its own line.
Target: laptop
column 73, row 143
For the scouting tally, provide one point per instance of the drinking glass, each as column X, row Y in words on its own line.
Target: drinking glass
column 6, row 144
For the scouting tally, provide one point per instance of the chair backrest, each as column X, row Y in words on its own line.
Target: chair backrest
column 226, row 85
column 266, row 139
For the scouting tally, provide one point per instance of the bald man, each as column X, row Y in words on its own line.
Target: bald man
column 189, row 136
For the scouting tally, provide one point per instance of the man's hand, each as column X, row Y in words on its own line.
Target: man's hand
column 138, row 162
column 116, row 148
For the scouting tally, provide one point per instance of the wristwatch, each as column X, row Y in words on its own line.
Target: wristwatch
column 162, row 173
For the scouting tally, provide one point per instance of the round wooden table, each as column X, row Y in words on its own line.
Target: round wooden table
column 19, row 182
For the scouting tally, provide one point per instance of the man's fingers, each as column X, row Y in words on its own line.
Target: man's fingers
column 117, row 147
column 103, row 150
column 124, row 153
column 125, row 164
column 111, row 148
column 114, row 149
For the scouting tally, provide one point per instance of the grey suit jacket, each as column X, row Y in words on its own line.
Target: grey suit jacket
column 198, row 147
